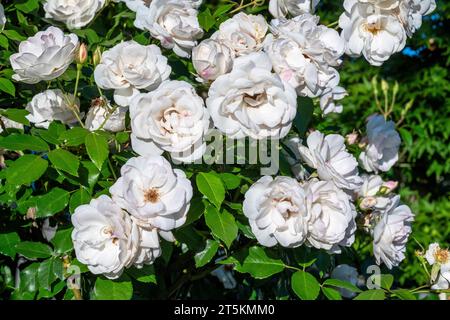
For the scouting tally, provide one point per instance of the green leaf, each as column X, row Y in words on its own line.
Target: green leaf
column 386, row 281
column 79, row 198
column 53, row 202
column 222, row 9
column 17, row 115
column 331, row 294
column 113, row 290
column 341, row 284
column 14, row 35
column 260, row 265
column 65, row 161
column 231, row 181
column 145, row 274
column 404, row 294
column 206, row 19
column 73, row 137
column 205, row 256
column 7, row 86
column 46, row 275
column 8, row 242
column 304, row 116
column 4, row 42
column 305, row 285
column 377, row 294
column 211, row 187
column 62, row 241
column 33, row 250
column 97, row 148
column 222, row 225
column 26, row 169
column 23, row 142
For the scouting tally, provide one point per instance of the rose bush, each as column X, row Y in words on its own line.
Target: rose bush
column 134, row 135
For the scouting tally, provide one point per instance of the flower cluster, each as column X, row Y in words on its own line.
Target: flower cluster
column 323, row 213
column 377, row 29
column 148, row 200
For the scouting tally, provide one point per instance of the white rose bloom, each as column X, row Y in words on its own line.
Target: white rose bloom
column 172, row 118
column 412, row 12
column 329, row 155
column 277, row 212
column 391, row 233
column 332, row 223
column 53, row 105
column 377, row 34
column 370, row 189
column 173, row 22
column 129, row 67
column 135, row 5
column 2, row 17
column 45, row 56
column 74, row 13
column 243, row 33
column 305, row 54
column 441, row 257
column 153, row 193
column 346, row 273
column 381, row 153
column 281, row 8
column 383, row 4
column 102, row 113
column 9, row 124
column 104, row 237
column 149, row 248
column 252, row 101
column 212, row 59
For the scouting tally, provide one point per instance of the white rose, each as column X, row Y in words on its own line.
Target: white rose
column 53, row 105
column 129, row 67
column 45, row 56
column 173, row 22
column 243, row 33
column 281, row 8
column 9, row 124
column 305, row 54
column 102, row 114
column 370, row 189
column 153, row 193
column 277, row 212
column 346, row 273
column 212, row 59
column 332, row 222
column 328, row 100
column 377, row 34
column 104, row 237
column 74, row 13
column 412, row 12
column 172, row 118
column 2, row 17
column 329, row 155
column 383, row 4
column 252, row 101
column 391, row 233
column 440, row 258
column 381, row 153
column 149, row 248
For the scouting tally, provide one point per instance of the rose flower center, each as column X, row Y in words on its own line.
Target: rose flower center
column 152, row 195
column 442, row 255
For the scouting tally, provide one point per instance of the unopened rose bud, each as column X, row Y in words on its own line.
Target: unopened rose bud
column 97, row 57
column 351, row 138
column 368, row 203
column 388, row 187
column 82, row 54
